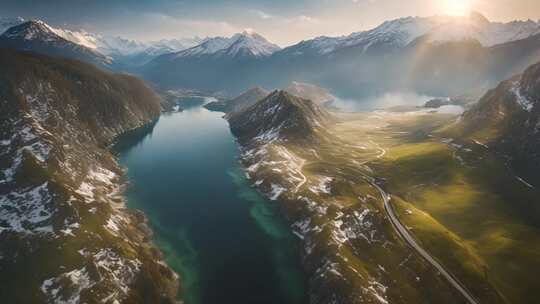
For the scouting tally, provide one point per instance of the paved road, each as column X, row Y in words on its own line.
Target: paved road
column 404, row 233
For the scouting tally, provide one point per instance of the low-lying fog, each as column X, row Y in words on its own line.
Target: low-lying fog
column 387, row 100
column 402, row 101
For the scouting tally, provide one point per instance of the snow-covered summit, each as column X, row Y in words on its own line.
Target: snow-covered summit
column 478, row 27
column 32, row 30
column 398, row 33
column 246, row 43
column 250, row 43
column 39, row 37
column 112, row 46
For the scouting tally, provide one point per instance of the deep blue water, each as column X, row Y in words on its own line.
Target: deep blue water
column 228, row 243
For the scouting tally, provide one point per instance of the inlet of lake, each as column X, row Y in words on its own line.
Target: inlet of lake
column 227, row 243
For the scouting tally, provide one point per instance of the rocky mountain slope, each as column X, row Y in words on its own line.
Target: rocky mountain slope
column 507, row 119
column 37, row 36
column 66, row 235
column 280, row 116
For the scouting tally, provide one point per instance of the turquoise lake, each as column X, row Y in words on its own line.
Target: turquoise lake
column 226, row 241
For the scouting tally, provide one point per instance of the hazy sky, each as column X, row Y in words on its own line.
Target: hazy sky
column 281, row 21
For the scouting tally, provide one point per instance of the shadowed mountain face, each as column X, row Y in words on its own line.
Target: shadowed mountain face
column 62, row 217
column 507, row 118
column 36, row 36
column 280, row 116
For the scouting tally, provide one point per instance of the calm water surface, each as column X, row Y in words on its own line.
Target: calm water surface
column 228, row 243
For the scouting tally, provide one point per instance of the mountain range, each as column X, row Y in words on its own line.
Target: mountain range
column 460, row 55
column 126, row 53
column 473, row 50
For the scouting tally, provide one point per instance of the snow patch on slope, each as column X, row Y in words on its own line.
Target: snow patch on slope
column 522, row 100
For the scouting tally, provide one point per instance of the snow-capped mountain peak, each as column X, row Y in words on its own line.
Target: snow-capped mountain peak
column 395, row 33
column 247, row 43
column 38, row 36
column 478, row 27
column 251, row 43
column 32, row 30
column 112, row 46
column 210, row 46
column 398, row 33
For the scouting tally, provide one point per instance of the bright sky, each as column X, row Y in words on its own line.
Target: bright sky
column 282, row 21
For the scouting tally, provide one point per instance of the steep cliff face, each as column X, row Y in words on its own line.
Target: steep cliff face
column 65, row 233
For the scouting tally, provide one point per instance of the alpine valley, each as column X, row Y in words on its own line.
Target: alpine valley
column 396, row 165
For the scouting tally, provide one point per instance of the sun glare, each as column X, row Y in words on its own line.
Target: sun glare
column 457, row 7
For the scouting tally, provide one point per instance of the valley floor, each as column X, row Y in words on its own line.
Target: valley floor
column 459, row 209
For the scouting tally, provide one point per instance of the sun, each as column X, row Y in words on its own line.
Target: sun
column 457, row 7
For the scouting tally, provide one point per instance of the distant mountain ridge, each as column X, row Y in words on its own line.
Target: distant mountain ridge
column 123, row 51
column 423, row 54
column 398, row 33
column 245, row 44
column 216, row 64
column 438, row 56
column 239, row 103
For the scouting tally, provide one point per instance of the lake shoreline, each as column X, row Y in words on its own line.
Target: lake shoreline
column 262, row 238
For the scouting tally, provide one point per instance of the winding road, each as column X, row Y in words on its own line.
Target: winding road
column 404, row 233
